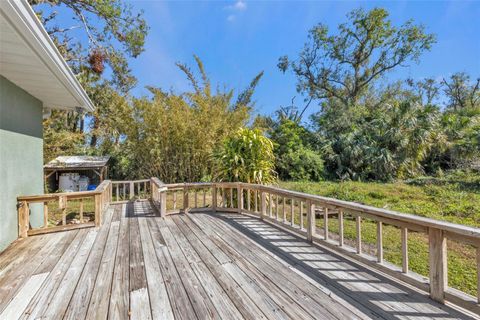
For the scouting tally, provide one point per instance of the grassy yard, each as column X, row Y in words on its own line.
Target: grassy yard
column 455, row 199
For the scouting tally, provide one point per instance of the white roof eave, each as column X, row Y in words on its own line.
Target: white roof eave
column 25, row 22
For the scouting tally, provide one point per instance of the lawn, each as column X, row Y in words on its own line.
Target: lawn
column 454, row 198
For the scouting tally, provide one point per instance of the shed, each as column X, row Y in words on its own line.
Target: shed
column 95, row 168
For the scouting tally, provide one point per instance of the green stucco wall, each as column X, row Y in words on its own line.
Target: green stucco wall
column 21, row 156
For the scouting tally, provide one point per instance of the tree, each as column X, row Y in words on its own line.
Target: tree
column 426, row 90
column 173, row 136
column 113, row 32
column 246, row 156
column 344, row 66
column 105, row 32
column 462, row 94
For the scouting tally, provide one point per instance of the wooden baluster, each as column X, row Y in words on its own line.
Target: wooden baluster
column 255, row 192
column 437, row 243
column 284, row 212
column 117, row 194
column 270, row 205
column 292, row 212
column 240, row 198
column 478, row 274
column 214, row 198
column 62, row 205
column 124, row 185
column 248, row 200
column 276, row 206
column 45, row 214
column 404, row 235
column 231, row 197
column 263, row 204
column 185, row 199
column 325, row 223
column 340, row 227
column 174, row 199
column 301, row 215
column 224, row 198
column 132, row 190
column 379, row 242
column 204, row 198
column 359, row 234
column 81, row 210
column 310, row 220
column 196, row 200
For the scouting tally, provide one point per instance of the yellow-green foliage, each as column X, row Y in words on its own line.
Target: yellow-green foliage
column 246, row 156
column 173, row 136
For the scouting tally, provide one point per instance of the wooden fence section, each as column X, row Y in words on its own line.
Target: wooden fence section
column 64, row 211
column 299, row 212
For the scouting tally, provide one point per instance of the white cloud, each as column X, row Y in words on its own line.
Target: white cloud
column 240, row 5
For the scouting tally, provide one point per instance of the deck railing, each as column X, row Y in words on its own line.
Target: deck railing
column 130, row 190
column 299, row 212
column 64, row 211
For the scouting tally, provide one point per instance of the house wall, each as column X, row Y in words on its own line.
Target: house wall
column 21, row 156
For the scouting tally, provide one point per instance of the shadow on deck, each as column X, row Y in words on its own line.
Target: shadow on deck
column 196, row 266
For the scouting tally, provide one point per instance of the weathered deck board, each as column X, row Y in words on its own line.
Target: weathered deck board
column 138, row 265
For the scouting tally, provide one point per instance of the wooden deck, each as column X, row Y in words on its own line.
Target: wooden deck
column 195, row 266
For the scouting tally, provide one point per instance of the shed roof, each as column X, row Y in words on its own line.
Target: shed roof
column 73, row 162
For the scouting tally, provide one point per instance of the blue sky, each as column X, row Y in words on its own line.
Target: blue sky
column 237, row 39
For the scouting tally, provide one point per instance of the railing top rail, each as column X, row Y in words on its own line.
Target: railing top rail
column 128, row 181
column 69, row 195
column 395, row 215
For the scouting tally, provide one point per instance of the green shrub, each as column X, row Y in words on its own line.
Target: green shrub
column 246, row 156
column 301, row 164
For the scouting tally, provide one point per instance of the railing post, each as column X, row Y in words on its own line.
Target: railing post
column 23, row 219
column 325, row 223
column 478, row 275
column 437, row 243
column 239, row 198
column 404, row 237
column 310, row 220
column 379, row 242
column 358, row 225
column 214, row 197
column 98, row 210
column 132, row 190
column 163, row 203
column 185, row 199
column 263, row 197
column 45, row 213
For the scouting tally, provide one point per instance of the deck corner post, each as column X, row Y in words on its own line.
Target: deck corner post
column 310, row 220
column 185, row 199
column 23, row 219
column 240, row 198
column 437, row 243
column 163, row 203
column 98, row 210
column 263, row 197
column 131, row 190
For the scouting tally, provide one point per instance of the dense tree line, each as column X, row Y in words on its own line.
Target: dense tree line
column 366, row 130
column 363, row 128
